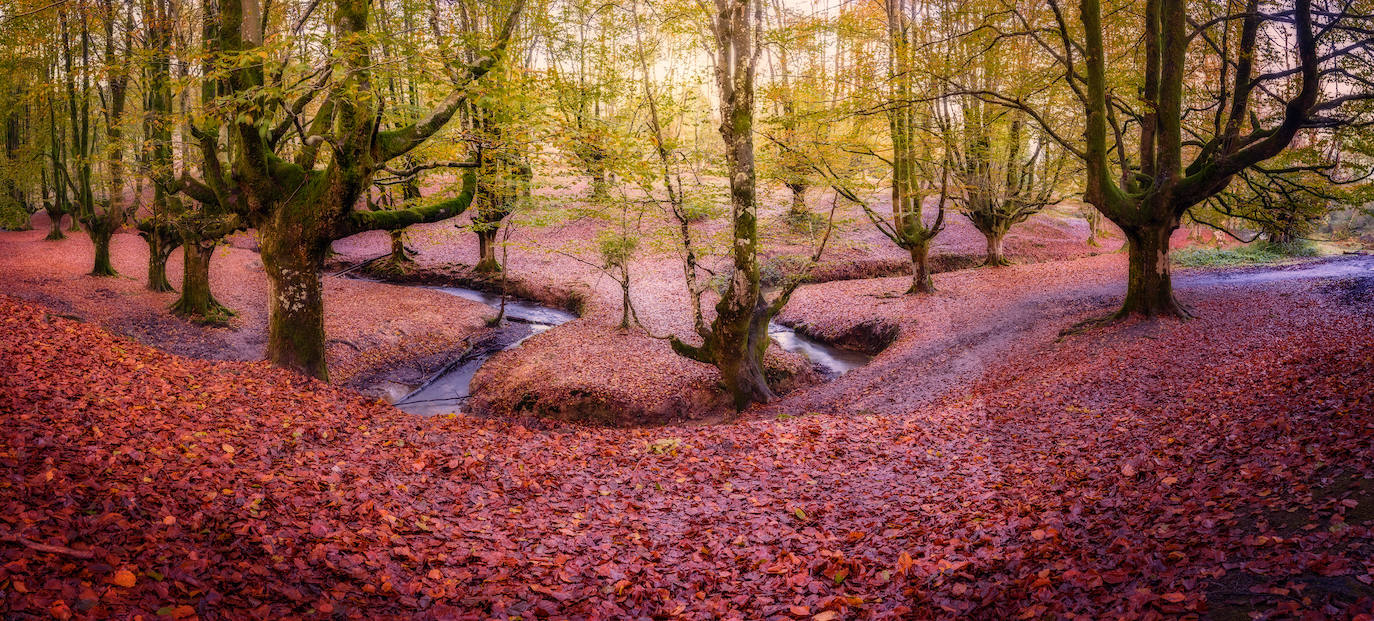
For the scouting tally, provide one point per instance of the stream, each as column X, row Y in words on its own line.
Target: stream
column 448, row 390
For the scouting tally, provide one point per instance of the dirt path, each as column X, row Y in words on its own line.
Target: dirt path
column 984, row 318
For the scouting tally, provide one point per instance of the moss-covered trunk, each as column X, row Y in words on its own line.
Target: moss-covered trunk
column 1094, row 219
column 741, row 364
column 100, row 236
column 157, row 268
column 738, row 337
column 55, row 221
column 398, row 247
column 1149, row 287
column 486, row 249
column 161, row 243
column 600, row 189
column 921, row 281
column 295, row 298
column 196, row 301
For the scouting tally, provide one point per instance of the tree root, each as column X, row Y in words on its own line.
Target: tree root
column 1182, row 314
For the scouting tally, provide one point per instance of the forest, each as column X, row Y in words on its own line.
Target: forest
column 701, row 309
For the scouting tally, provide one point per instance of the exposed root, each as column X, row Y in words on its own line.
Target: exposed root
column 214, row 314
column 1180, row 312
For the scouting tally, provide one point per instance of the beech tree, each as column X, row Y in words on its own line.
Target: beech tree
column 1004, row 167
column 737, row 339
column 157, row 229
column 1220, row 89
column 497, row 119
column 584, row 76
column 101, row 208
column 1284, row 199
column 790, row 117
column 914, row 154
column 1005, row 174
column 301, row 195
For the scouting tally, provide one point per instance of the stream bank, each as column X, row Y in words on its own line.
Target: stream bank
column 585, row 371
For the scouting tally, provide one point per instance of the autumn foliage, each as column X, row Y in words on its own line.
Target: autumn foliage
column 1093, row 481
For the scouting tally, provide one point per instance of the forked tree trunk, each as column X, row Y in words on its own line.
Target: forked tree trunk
column 739, row 358
column 995, row 258
column 160, row 246
column 196, row 300
column 100, row 236
column 486, row 251
column 1149, row 287
column 295, row 299
column 921, row 281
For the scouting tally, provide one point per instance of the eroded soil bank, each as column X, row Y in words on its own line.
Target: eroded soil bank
column 590, row 370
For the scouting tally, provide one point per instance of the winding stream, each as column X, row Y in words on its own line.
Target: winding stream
column 448, row 390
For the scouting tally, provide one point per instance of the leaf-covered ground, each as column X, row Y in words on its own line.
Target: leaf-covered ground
column 619, row 377
column 377, row 332
column 1132, row 471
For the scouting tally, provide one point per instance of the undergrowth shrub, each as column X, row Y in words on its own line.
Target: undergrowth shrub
column 1248, row 254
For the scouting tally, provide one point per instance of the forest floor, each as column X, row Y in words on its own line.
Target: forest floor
column 1220, row 466
column 991, row 462
column 629, row 377
column 379, row 335
column 385, row 340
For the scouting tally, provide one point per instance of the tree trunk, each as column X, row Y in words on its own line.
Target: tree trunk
column 160, row 246
column 55, row 219
column 625, row 305
column 920, row 269
column 1149, row 288
column 295, row 308
column 100, row 236
column 740, row 359
column 195, row 300
column 798, row 212
column 486, row 251
column 398, row 247
column 995, row 257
